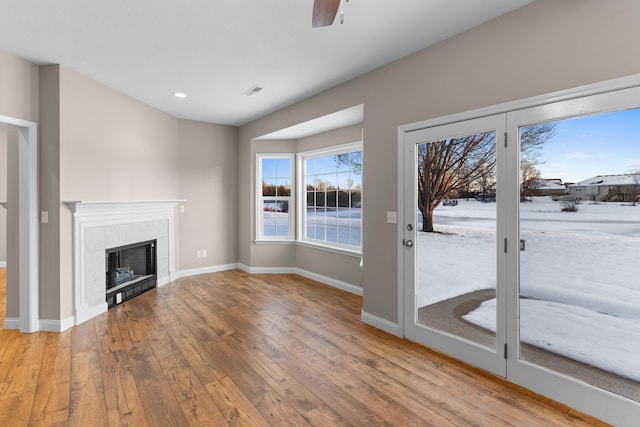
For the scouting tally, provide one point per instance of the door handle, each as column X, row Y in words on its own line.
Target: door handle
column 408, row 243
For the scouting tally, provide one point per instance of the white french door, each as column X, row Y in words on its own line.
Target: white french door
column 453, row 266
column 520, row 254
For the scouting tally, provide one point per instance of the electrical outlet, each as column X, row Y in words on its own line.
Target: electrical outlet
column 198, row 254
column 118, row 297
column 204, row 253
column 392, row 217
column 181, row 208
column 44, row 217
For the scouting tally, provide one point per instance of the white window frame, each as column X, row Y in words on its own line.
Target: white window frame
column 260, row 236
column 302, row 211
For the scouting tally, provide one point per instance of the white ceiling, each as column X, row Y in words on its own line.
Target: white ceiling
column 214, row 50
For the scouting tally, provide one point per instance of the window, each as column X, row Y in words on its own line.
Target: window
column 275, row 219
column 331, row 180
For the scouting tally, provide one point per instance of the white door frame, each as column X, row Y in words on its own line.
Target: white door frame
column 28, row 257
column 589, row 399
column 490, row 359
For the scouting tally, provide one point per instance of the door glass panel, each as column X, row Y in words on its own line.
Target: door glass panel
column 456, row 236
column 580, row 226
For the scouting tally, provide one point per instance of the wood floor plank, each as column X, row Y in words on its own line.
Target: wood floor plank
column 51, row 401
column 234, row 405
column 278, row 411
column 237, row 349
column 16, row 398
column 160, row 405
column 123, row 402
column 284, row 350
column 87, row 404
column 301, row 398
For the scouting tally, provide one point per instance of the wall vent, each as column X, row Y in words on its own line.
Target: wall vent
column 253, row 90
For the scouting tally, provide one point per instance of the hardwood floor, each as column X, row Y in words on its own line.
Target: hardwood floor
column 236, row 349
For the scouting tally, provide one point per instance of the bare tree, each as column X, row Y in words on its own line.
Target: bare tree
column 449, row 164
column 456, row 163
column 529, row 179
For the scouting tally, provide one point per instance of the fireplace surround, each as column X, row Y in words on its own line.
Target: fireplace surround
column 98, row 226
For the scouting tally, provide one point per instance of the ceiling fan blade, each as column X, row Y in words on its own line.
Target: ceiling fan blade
column 324, row 12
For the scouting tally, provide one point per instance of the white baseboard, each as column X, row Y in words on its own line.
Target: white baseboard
column 3, row 264
column 380, row 323
column 272, row 270
column 205, row 270
column 56, row 325
column 85, row 313
column 353, row 289
column 11, row 323
column 348, row 287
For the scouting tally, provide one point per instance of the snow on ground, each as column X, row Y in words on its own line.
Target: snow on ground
column 570, row 331
column 579, row 272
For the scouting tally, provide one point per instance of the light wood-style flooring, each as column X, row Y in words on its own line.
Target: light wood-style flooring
column 237, row 349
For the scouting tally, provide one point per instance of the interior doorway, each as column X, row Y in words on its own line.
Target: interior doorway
column 26, row 221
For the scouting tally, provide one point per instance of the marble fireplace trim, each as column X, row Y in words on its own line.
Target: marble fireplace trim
column 98, row 226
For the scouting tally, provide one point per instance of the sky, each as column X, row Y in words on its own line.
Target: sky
column 604, row 144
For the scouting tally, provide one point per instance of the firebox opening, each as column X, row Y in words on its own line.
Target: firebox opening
column 131, row 271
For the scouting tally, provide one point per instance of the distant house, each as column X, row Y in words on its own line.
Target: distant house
column 548, row 187
column 607, row 188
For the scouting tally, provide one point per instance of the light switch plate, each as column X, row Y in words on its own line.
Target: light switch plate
column 392, row 217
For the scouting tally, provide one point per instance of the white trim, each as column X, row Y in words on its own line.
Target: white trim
column 205, row 270
column 272, row 270
column 11, row 323
column 382, row 324
column 56, row 325
column 88, row 214
column 28, row 226
column 259, row 232
column 3, row 264
column 534, row 101
column 400, row 230
column 302, row 200
column 244, row 267
column 338, row 284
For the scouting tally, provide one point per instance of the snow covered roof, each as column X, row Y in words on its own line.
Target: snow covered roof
column 549, row 184
column 623, row 179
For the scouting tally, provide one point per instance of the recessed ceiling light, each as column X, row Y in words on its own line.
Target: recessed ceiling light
column 179, row 94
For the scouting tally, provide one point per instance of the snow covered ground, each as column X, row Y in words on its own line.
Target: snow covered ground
column 579, row 275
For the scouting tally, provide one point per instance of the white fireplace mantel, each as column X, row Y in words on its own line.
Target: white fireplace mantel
column 99, row 225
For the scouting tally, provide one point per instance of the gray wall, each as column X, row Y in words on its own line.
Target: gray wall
column 546, row 46
column 207, row 162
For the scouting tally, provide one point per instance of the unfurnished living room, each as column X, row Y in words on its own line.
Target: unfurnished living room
column 319, row 212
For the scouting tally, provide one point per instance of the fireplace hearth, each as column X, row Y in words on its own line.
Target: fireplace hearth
column 131, row 271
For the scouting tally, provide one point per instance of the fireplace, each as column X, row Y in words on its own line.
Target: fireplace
column 114, row 224
column 130, row 271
